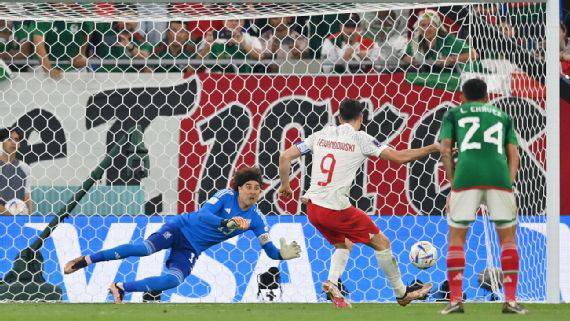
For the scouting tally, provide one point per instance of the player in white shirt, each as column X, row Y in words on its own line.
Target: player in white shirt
column 338, row 152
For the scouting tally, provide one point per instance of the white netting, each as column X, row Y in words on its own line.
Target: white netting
column 199, row 90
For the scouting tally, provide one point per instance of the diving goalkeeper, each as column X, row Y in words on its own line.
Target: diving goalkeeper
column 227, row 214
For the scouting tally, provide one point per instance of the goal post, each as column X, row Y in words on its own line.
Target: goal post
column 553, row 194
column 208, row 101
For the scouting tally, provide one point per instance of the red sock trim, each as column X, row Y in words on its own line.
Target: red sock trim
column 455, row 266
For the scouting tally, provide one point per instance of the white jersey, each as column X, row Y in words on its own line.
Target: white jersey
column 338, row 152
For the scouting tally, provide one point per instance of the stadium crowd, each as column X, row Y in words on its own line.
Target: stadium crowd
column 425, row 40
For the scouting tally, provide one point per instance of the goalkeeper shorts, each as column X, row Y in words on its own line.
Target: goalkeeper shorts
column 464, row 205
column 182, row 255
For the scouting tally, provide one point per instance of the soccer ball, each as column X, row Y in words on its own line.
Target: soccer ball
column 16, row 207
column 423, row 255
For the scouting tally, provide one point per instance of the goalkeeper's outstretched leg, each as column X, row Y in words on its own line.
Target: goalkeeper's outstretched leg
column 227, row 214
column 179, row 265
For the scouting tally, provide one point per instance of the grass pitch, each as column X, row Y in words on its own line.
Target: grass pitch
column 267, row 312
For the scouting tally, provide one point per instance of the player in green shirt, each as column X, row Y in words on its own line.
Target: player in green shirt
column 122, row 41
column 432, row 44
column 177, row 46
column 486, row 168
column 59, row 43
column 14, row 42
column 231, row 43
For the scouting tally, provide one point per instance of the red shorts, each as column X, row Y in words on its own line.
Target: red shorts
column 335, row 226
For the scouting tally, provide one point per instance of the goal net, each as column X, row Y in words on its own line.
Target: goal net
column 177, row 96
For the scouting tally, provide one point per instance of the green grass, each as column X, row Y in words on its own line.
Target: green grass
column 267, row 312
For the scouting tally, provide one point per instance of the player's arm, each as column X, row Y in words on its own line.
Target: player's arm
column 4, row 211
column 513, row 157
column 447, row 159
column 447, row 141
column 513, row 160
column 285, row 160
column 408, row 155
column 208, row 213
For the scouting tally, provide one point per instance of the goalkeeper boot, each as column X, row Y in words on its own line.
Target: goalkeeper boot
column 514, row 307
column 117, row 291
column 414, row 292
column 335, row 295
column 76, row 264
column 456, row 307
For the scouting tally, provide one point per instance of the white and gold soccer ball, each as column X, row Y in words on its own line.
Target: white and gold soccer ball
column 16, row 206
column 423, row 255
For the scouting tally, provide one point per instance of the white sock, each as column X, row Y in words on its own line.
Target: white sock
column 389, row 266
column 338, row 264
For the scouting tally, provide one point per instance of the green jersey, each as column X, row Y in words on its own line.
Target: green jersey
column 20, row 31
column 110, row 48
column 482, row 132
column 63, row 39
column 444, row 47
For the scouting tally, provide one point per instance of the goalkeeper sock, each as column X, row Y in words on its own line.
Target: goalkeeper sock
column 338, row 264
column 510, row 266
column 389, row 266
column 123, row 251
column 455, row 266
column 155, row 283
column 171, row 279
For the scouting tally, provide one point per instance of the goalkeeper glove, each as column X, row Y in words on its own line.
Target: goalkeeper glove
column 289, row 251
column 234, row 223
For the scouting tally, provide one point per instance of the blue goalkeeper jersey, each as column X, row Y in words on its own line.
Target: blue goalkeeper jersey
column 202, row 228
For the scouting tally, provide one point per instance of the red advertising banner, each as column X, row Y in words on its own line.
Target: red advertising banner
column 249, row 119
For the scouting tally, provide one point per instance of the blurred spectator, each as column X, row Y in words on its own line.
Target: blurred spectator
column 281, row 41
column 509, row 32
column 197, row 29
column 14, row 182
column 153, row 31
column 389, row 31
column 564, row 51
column 506, row 28
column 122, row 40
column 61, row 45
column 14, row 42
column 176, row 45
column 348, row 48
column 231, row 42
column 433, row 46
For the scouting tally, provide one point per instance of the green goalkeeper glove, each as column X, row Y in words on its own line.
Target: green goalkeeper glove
column 289, row 251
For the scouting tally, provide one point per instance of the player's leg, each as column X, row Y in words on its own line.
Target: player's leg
column 179, row 265
column 156, row 242
column 455, row 267
column 503, row 212
column 358, row 227
column 341, row 266
column 389, row 266
column 462, row 210
column 320, row 218
column 339, row 259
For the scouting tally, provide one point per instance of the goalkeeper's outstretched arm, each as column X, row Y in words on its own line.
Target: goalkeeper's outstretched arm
column 286, row 252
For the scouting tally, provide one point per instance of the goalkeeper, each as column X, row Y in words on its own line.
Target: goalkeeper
column 227, row 214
